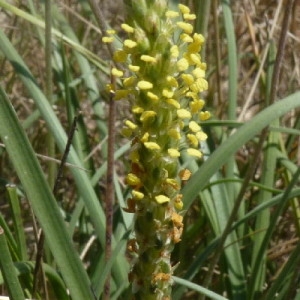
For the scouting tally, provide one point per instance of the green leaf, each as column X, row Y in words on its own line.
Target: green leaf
column 42, row 201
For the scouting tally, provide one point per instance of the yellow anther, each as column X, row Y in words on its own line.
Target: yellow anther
column 148, row 58
column 130, row 44
column 132, row 180
column 174, row 51
column 167, row 93
column 173, row 102
column 184, row 9
column 173, row 152
column 204, row 115
column 183, row 114
column 186, row 27
column 145, row 137
column 172, row 81
column 127, row 28
column 130, row 81
column 137, row 109
column 152, row 146
column 130, row 125
column 186, row 38
column 194, row 152
column 171, row 14
column 144, row 85
column 110, row 31
column 193, row 139
column 201, row 136
column 196, row 105
column 107, row 39
column 116, row 72
column 188, row 79
column 198, row 73
column 194, row 127
column 189, row 17
column 199, row 85
column 137, row 195
column 161, row 199
column 147, row 114
column 134, row 68
column 152, row 96
column 196, row 59
column 182, row 64
column 174, row 133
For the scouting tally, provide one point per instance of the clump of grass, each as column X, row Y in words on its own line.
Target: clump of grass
column 233, row 220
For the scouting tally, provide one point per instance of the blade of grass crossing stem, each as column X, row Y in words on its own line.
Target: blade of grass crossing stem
column 83, row 183
column 42, row 201
column 17, row 219
column 8, row 270
column 244, row 134
column 263, row 219
column 199, row 289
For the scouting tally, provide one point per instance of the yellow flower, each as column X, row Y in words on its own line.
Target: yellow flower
column 137, row 195
column 167, row 93
column 173, row 102
column 184, row 9
column 137, row 109
column 189, row 17
column 194, row 152
column 173, row 152
column 145, row 137
column 196, row 105
column 116, row 72
column 147, row 114
column 148, row 58
column 161, row 199
column 171, row 14
column 134, row 68
column 152, row 96
column 188, row 79
column 186, row 27
column 152, row 146
column 130, row 124
column 193, row 139
column 130, row 44
column 107, row 39
column 201, row 136
column 174, row 51
column 182, row 64
column 204, row 115
column 183, row 113
column 144, row 85
column 174, row 133
column 132, row 180
column 194, row 127
column 127, row 28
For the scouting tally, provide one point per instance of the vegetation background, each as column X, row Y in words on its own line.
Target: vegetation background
column 242, row 214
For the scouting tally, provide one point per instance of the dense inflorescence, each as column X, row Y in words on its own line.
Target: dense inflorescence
column 162, row 76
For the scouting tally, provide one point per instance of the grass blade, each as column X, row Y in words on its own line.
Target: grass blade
column 42, row 201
